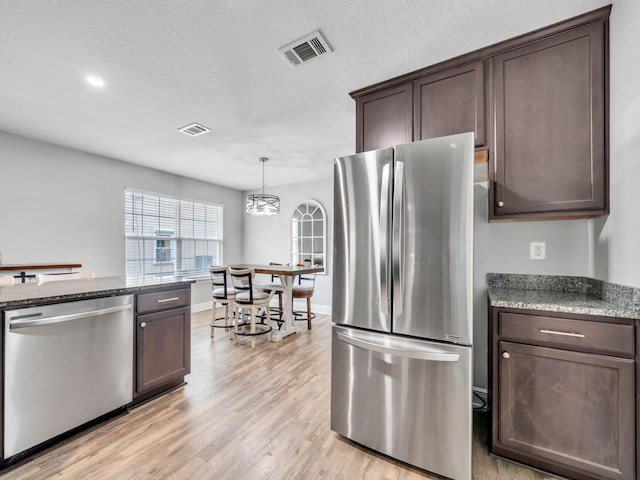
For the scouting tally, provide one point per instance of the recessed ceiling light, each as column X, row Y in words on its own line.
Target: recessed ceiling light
column 94, row 81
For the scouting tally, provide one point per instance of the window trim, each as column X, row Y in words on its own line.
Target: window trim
column 319, row 206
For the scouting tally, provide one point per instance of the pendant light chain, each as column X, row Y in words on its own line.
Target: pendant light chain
column 263, row 160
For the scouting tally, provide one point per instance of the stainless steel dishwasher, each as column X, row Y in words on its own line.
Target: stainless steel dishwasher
column 65, row 364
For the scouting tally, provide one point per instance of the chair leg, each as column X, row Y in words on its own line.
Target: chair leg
column 253, row 326
column 213, row 317
column 309, row 313
column 231, row 317
column 226, row 318
column 237, row 325
column 268, row 323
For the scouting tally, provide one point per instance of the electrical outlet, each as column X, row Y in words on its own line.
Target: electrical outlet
column 537, row 251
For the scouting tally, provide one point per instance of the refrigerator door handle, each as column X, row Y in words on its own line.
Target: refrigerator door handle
column 397, row 248
column 420, row 354
column 384, row 239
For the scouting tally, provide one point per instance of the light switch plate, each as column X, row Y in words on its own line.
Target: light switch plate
column 537, row 250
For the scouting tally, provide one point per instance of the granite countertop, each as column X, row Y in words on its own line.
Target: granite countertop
column 25, row 294
column 580, row 295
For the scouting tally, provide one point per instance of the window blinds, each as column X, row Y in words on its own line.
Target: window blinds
column 171, row 236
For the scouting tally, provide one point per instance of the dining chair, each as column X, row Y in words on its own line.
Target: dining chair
column 7, row 280
column 249, row 297
column 222, row 294
column 304, row 291
column 56, row 277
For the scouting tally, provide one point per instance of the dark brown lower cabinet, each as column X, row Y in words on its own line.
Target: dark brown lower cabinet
column 163, row 341
column 562, row 406
column 163, row 351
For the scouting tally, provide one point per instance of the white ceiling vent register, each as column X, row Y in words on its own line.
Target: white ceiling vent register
column 305, row 49
column 194, row 129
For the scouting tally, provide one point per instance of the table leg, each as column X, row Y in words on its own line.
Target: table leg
column 288, row 323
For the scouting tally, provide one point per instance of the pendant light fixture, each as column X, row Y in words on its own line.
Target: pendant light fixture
column 262, row 204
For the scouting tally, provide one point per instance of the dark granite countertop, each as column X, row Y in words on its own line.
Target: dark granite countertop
column 26, row 294
column 580, row 295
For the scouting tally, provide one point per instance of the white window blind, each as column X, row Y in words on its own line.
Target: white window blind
column 171, row 236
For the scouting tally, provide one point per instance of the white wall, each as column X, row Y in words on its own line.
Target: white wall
column 268, row 239
column 616, row 255
column 64, row 205
column 504, row 248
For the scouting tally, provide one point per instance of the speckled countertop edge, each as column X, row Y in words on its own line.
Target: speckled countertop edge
column 28, row 294
column 580, row 295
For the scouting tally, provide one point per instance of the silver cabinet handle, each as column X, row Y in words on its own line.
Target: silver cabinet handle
column 506, row 355
column 143, row 324
column 565, row 334
column 501, row 203
column 165, row 300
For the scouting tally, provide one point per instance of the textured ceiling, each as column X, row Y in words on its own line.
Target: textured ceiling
column 216, row 62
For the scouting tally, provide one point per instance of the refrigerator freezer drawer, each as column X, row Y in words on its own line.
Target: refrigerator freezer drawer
column 409, row 399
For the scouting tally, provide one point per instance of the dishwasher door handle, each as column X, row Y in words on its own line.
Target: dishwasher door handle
column 17, row 324
column 420, row 354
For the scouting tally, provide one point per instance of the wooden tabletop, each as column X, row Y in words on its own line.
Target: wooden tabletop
column 279, row 269
column 40, row 266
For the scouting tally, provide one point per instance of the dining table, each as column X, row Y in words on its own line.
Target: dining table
column 287, row 275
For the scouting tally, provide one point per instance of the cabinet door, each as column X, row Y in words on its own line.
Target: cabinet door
column 550, row 151
column 566, row 411
column 450, row 102
column 163, row 347
column 385, row 118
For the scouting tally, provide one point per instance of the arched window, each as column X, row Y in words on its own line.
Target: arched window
column 309, row 234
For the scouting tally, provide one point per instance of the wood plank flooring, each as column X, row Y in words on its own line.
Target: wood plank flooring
column 244, row 414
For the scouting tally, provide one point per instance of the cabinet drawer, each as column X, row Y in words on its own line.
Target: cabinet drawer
column 609, row 338
column 153, row 302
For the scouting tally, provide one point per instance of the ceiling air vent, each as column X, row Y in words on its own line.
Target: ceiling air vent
column 305, row 49
column 194, row 129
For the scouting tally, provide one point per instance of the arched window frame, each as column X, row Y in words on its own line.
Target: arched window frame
column 309, row 234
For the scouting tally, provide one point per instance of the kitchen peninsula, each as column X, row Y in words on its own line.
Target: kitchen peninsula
column 92, row 348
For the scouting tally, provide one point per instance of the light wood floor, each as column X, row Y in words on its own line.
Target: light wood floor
column 244, row 414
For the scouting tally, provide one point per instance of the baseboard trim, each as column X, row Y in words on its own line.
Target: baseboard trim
column 200, row 307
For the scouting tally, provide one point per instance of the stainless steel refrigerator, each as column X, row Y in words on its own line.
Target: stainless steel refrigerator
column 401, row 373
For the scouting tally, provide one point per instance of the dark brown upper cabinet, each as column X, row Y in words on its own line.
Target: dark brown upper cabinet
column 384, row 118
column 538, row 102
column 449, row 102
column 550, row 115
column 442, row 103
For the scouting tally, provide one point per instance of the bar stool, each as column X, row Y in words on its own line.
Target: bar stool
column 222, row 294
column 248, row 296
column 304, row 291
